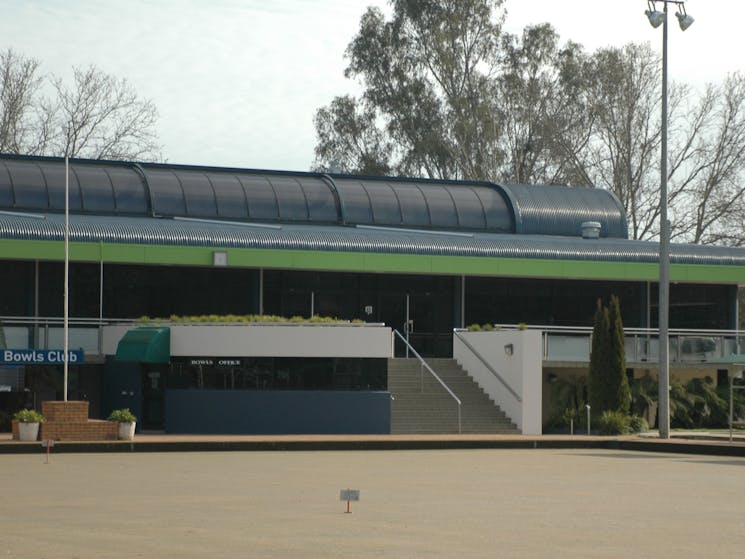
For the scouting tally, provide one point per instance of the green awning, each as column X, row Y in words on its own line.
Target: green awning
column 145, row 345
column 734, row 359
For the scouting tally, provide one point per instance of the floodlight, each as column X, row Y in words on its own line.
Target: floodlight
column 684, row 19
column 655, row 18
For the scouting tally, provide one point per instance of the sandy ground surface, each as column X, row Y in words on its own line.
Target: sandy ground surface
column 448, row 503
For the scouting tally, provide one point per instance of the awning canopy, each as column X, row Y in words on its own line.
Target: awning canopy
column 734, row 359
column 145, row 345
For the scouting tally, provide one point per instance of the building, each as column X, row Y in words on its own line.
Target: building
column 423, row 257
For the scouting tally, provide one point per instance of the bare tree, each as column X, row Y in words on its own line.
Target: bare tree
column 97, row 116
column 19, row 86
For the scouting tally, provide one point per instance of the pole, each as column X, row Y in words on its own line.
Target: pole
column 67, row 275
column 664, row 286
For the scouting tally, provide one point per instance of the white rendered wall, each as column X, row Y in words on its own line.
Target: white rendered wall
column 521, row 371
column 248, row 340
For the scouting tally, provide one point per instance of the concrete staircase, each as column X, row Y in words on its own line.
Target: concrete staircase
column 433, row 410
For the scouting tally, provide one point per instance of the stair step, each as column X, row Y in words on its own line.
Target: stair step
column 422, row 405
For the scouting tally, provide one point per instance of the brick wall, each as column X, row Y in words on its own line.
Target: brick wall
column 68, row 421
column 70, row 411
column 91, row 430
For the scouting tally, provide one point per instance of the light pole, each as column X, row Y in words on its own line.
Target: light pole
column 657, row 18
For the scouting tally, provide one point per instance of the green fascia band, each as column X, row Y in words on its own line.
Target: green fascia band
column 368, row 262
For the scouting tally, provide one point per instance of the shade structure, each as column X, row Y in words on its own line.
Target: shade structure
column 145, row 345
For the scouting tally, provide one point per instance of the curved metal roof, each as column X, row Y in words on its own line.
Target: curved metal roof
column 119, row 188
column 560, row 210
column 180, row 232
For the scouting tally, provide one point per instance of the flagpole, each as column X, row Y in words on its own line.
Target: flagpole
column 67, row 274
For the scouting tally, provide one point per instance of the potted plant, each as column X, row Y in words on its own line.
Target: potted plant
column 28, row 424
column 126, row 421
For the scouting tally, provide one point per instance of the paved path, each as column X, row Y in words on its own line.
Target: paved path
column 458, row 504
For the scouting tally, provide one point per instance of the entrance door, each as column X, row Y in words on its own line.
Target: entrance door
column 153, row 393
column 392, row 312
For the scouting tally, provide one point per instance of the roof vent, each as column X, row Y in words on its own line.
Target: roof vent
column 591, row 230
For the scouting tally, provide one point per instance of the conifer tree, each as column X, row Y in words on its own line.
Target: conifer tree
column 618, row 381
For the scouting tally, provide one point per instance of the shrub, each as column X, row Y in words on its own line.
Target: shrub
column 613, row 423
column 28, row 416
column 638, row 424
column 122, row 416
column 522, row 326
column 474, row 328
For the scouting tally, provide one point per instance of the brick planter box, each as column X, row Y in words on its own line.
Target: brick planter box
column 68, row 421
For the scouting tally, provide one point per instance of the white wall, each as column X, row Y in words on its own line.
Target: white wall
column 209, row 340
column 521, row 371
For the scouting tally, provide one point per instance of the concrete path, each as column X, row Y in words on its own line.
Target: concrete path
column 432, row 504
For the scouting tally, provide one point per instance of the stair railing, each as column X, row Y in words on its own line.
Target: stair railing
column 423, row 365
column 488, row 367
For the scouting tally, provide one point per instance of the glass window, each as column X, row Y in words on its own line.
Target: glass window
column 321, row 200
column 441, row 206
column 165, row 190
column 200, row 198
column 129, row 191
column 95, row 185
column 468, row 206
column 498, row 215
column 6, row 190
column 262, row 201
column 231, row 199
column 55, row 179
column 414, row 209
column 356, row 202
column 29, row 185
column 385, row 207
column 292, row 203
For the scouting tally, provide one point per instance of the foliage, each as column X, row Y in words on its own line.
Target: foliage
column 97, row 116
column 249, row 318
column 613, row 423
column 597, row 384
column 123, row 415
column 28, row 416
column 617, row 357
column 608, row 385
column 638, row 424
column 644, row 394
column 567, row 397
column 522, row 326
column 449, row 94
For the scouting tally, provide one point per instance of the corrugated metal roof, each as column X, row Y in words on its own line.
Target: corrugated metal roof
column 561, row 210
column 175, row 232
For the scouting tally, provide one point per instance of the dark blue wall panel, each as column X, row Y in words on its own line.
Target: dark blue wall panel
column 257, row 412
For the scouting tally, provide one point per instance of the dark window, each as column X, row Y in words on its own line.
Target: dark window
column 441, row 206
column 6, row 190
column 55, row 178
column 95, row 186
column 321, row 201
column 356, row 202
column 385, row 207
column 231, row 199
column 291, row 199
column 414, row 209
column 262, row 200
column 200, row 198
column 469, row 207
column 129, row 190
column 29, row 185
column 166, row 192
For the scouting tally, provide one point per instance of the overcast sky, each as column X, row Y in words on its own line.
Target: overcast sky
column 237, row 82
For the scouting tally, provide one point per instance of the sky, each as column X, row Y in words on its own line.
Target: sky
column 237, row 82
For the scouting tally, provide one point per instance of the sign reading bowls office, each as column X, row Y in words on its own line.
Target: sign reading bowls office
column 40, row 356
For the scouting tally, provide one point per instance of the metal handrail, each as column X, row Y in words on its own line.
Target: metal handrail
column 488, row 366
column 425, row 365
